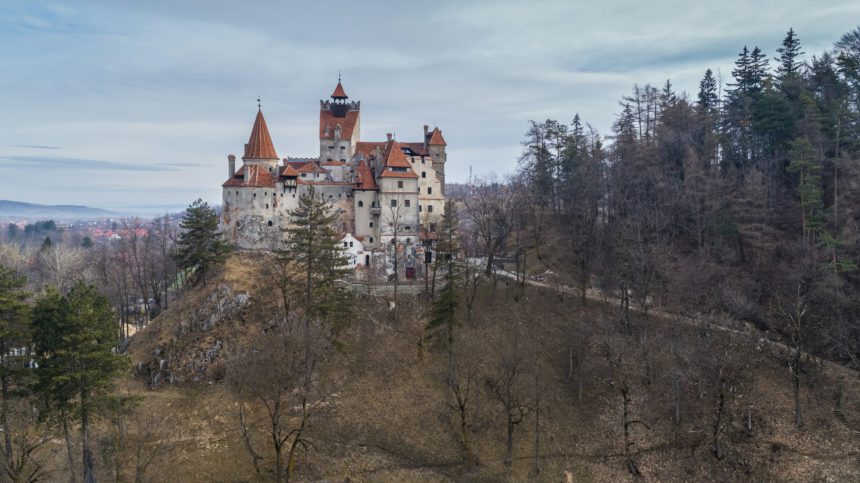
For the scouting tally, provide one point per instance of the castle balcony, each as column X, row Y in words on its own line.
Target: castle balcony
column 376, row 211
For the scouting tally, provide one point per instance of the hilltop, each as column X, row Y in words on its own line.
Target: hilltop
column 388, row 417
column 32, row 210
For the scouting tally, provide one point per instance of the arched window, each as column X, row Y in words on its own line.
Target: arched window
column 360, row 204
column 270, row 222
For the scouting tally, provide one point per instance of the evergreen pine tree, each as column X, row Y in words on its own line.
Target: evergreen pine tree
column 443, row 315
column 74, row 338
column 708, row 101
column 789, row 66
column 311, row 245
column 200, row 245
column 14, row 343
column 809, row 190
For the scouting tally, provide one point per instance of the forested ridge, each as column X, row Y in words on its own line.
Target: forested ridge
column 742, row 199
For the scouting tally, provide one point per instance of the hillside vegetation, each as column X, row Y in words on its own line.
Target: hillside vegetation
column 387, row 414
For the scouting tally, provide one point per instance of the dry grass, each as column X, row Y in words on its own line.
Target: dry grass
column 388, row 418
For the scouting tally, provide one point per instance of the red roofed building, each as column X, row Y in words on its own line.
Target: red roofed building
column 384, row 190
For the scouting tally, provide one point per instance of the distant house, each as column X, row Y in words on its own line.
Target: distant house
column 353, row 249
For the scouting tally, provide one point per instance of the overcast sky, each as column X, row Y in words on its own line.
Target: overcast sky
column 120, row 104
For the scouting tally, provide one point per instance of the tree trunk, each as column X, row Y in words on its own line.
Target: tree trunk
column 70, row 451
column 718, row 425
column 798, row 421
column 7, row 433
column 88, row 462
column 537, row 437
column 509, row 454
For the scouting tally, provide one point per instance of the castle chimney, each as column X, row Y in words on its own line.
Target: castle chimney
column 231, row 166
column 247, row 172
column 426, row 134
column 388, row 135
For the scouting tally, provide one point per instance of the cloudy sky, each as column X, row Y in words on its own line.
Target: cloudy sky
column 124, row 104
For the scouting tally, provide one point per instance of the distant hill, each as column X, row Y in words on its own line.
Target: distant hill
column 33, row 210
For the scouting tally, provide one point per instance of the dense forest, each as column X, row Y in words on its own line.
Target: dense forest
column 742, row 199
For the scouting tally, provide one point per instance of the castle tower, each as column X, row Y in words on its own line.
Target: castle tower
column 436, row 145
column 340, row 126
column 260, row 150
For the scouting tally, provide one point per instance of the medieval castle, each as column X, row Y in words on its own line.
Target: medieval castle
column 381, row 190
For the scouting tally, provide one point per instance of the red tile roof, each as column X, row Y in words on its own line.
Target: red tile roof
column 436, row 138
column 393, row 156
column 417, row 148
column 364, row 177
column 368, row 148
column 312, row 168
column 398, row 174
column 258, row 177
column 339, row 93
column 260, row 143
column 328, row 122
column 290, row 171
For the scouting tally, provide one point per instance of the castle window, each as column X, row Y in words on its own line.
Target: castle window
column 305, row 175
column 419, row 208
column 371, row 239
column 400, row 184
column 270, row 222
column 267, row 206
column 408, row 203
column 350, row 244
column 424, row 174
column 422, row 160
column 393, row 203
column 342, row 160
column 371, row 224
column 331, row 147
column 360, row 204
column 408, row 228
column 432, row 226
column 429, row 190
column 345, row 244
column 429, row 208
column 266, row 193
column 342, row 148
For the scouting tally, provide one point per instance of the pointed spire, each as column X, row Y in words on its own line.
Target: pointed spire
column 260, row 143
column 339, row 92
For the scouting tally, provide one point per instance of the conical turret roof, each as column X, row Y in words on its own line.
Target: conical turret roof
column 260, row 143
column 339, row 92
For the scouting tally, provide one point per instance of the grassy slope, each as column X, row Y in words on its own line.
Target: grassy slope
column 388, row 419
